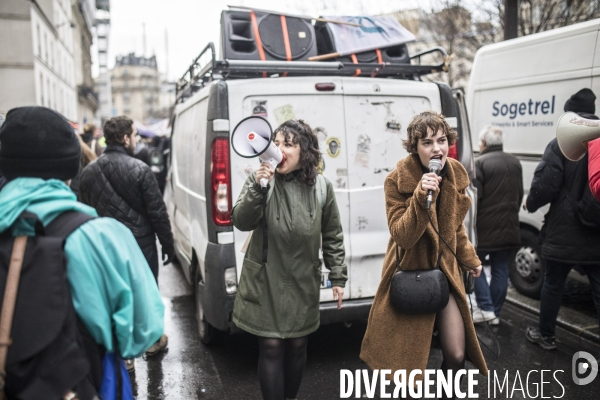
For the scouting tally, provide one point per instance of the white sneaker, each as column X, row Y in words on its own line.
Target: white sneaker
column 495, row 321
column 480, row 315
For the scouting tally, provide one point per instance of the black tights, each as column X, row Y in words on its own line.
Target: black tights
column 280, row 366
column 451, row 331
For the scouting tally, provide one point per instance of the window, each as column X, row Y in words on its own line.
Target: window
column 47, row 87
column 46, row 47
column 51, row 61
column 537, row 13
column 39, row 41
column 42, row 90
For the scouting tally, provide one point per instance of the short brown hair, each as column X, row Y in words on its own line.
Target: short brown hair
column 89, row 128
column 420, row 126
column 87, row 155
column 299, row 132
column 115, row 130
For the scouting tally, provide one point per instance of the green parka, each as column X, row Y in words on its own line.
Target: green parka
column 280, row 298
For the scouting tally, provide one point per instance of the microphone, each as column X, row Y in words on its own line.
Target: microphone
column 435, row 165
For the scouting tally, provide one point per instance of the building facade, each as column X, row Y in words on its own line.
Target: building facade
column 102, row 83
column 37, row 61
column 87, row 100
column 136, row 87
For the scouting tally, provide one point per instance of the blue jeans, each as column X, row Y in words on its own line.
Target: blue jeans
column 554, row 283
column 491, row 297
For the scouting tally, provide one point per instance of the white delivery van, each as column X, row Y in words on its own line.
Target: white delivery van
column 521, row 86
column 360, row 122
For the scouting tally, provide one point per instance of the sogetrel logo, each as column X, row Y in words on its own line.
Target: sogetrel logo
column 584, row 368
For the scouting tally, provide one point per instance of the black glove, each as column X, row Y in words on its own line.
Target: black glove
column 168, row 256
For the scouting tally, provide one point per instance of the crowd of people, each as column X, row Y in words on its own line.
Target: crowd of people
column 105, row 206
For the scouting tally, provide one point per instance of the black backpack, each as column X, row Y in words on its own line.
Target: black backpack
column 587, row 208
column 51, row 351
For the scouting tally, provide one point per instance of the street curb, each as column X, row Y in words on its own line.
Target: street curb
column 586, row 334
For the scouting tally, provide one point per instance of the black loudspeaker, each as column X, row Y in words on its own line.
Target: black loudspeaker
column 326, row 44
column 239, row 41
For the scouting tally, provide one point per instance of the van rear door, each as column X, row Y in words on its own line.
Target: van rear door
column 377, row 113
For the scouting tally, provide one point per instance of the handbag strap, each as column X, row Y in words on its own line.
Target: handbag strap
column 437, row 265
column 8, row 304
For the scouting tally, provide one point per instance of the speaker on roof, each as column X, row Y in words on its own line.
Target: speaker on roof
column 326, row 44
column 263, row 36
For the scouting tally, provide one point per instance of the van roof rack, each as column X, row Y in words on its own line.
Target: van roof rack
column 200, row 73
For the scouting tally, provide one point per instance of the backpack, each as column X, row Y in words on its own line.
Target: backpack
column 51, row 352
column 587, row 208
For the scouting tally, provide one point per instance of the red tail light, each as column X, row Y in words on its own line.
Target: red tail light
column 453, row 151
column 220, row 179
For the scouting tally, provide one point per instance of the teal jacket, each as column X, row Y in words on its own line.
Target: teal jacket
column 111, row 283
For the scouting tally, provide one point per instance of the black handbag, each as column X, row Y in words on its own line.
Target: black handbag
column 469, row 281
column 421, row 291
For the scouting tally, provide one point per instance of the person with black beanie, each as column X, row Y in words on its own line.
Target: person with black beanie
column 107, row 274
column 566, row 240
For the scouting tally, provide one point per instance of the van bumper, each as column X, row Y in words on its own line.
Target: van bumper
column 352, row 310
column 218, row 305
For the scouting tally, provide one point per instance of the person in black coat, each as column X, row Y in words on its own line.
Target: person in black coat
column 120, row 186
column 566, row 240
column 499, row 182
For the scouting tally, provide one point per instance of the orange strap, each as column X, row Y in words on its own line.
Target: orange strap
column 379, row 60
column 286, row 40
column 259, row 45
column 355, row 61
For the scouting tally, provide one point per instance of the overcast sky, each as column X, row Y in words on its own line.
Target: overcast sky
column 190, row 24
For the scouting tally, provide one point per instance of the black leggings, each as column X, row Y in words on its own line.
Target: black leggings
column 280, row 366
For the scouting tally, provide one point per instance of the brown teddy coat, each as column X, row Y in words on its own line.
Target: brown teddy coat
column 400, row 341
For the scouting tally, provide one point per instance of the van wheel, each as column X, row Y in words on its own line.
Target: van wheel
column 527, row 268
column 209, row 335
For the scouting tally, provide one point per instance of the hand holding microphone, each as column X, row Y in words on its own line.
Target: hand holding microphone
column 431, row 181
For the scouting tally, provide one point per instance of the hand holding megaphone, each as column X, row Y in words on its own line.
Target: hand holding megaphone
column 252, row 137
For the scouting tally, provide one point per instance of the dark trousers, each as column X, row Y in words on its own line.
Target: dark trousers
column 554, row 283
column 151, row 253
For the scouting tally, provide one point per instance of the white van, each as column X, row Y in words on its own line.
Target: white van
column 521, row 86
column 360, row 122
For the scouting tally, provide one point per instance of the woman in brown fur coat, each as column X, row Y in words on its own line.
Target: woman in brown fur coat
column 400, row 341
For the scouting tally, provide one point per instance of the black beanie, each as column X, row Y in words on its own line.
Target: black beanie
column 582, row 102
column 38, row 142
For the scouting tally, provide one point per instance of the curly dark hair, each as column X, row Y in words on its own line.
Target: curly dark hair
column 419, row 129
column 298, row 132
column 115, row 130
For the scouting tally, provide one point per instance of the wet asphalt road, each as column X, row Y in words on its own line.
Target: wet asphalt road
column 190, row 370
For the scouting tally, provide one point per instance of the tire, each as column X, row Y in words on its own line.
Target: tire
column 209, row 335
column 527, row 267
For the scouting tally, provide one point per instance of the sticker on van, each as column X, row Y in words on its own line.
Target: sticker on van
column 259, row 108
column 284, row 113
column 363, row 148
column 333, row 147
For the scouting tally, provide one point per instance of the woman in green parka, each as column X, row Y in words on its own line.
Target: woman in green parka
column 278, row 301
